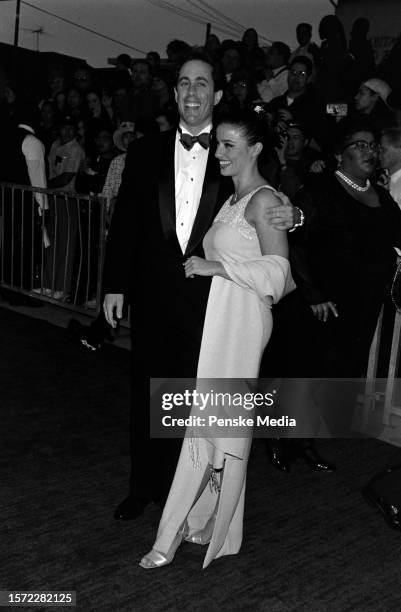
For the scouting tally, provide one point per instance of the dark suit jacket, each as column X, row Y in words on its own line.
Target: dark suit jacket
column 145, row 262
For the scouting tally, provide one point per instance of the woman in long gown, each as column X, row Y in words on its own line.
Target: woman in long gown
column 248, row 260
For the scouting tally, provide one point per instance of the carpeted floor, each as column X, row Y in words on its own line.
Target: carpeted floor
column 310, row 543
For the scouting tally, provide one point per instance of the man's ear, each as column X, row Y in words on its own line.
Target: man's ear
column 175, row 94
column 217, row 96
column 339, row 158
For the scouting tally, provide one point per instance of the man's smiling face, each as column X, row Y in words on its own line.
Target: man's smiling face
column 195, row 95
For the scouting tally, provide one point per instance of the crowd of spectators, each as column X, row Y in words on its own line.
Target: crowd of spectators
column 86, row 122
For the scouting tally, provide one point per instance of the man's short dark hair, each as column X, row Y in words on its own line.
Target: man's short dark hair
column 305, row 26
column 141, row 61
column 282, row 49
column 305, row 61
column 200, row 55
column 124, row 59
column 154, row 55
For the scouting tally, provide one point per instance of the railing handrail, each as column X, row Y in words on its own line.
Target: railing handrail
column 81, row 196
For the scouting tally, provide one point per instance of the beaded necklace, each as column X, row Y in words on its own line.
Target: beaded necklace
column 351, row 183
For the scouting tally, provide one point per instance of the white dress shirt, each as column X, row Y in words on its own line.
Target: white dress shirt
column 189, row 168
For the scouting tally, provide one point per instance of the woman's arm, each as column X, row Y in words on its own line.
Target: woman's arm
column 272, row 241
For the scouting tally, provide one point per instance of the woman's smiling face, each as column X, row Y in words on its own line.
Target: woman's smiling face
column 233, row 150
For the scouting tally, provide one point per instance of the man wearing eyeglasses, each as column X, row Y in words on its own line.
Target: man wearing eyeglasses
column 297, row 103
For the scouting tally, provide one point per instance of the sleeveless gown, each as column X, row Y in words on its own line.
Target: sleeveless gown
column 237, row 327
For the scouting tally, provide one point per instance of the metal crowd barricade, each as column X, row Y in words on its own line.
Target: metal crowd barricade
column 382, row 393
column 52, row 245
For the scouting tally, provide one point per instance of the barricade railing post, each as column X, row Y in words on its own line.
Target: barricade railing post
column 104, row 205
column 57, row 266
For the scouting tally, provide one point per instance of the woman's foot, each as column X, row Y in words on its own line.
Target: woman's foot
column 203, row 536
column 157, row 559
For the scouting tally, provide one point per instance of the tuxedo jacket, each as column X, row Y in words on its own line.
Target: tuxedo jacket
column 144, row 259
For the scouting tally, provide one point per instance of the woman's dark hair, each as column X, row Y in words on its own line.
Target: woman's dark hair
column 242, row 76
column 250, row 123
column 347, row 128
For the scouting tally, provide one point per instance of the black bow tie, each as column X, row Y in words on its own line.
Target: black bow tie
column 188, row 141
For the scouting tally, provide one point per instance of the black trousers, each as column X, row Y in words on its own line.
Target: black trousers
column 153, row 460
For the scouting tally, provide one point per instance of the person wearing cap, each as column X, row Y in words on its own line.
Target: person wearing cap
column 122, row 138
column 371, row 104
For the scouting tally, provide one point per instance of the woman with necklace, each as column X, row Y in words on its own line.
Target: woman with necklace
column 351, row 228
column 248, row 260
column 342, row 261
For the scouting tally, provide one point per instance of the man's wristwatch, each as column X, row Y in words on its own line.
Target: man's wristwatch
column 301, row 220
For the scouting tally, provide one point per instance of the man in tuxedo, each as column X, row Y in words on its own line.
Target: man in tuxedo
column 170, row 193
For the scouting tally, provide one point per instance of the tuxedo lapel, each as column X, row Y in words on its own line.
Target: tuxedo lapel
column 167, row 187
column 207, row 204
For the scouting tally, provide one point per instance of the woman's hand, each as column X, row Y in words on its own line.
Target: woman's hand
column 322, row 311
column 200, row 267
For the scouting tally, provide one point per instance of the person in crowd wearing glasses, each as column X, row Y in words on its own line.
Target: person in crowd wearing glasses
column 297, row 104
column 241, row 91
column 342, row 261
column 352, row 228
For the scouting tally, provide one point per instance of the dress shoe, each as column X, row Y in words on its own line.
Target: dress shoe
column 314, row 459
column 390, row 512
column 130, row 508
column 82, row 335
column 279, row 454
column 155, row 559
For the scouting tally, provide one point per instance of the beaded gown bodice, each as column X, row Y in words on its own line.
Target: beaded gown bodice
column 231, row 237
